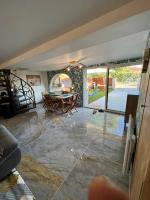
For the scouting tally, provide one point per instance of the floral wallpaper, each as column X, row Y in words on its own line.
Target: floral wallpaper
column 76, row 76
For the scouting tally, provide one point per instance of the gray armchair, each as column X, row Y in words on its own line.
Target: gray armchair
column 10, row 154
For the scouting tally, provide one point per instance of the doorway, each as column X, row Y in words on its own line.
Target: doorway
column 126, row 80
column 96, row 87
column 107, row 88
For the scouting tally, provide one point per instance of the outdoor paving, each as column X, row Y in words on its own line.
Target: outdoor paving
column 55, row 149
column 116, row 99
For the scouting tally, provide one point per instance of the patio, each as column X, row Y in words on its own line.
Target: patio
column 116, row 99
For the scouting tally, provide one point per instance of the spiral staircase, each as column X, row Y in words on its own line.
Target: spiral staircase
column 16, row 95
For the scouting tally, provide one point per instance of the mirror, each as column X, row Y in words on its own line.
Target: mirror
column 61, row 83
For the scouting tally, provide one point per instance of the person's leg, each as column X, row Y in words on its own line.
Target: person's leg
column 102, row 189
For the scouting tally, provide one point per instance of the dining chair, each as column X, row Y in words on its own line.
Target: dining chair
column 50, row 103
column 72, row 103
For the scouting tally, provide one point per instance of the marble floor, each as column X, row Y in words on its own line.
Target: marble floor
column 62, row 153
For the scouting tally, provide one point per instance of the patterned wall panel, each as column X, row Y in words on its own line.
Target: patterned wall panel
column 76, row 76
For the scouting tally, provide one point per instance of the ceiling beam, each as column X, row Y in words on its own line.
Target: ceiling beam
column 130, row 9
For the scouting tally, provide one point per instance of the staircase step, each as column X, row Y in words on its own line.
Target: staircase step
column 25, row 108
column 2, row 85
column 4, row 97
column 3, row 88
column 19, row 96
column 22, row 100
column 2, row 80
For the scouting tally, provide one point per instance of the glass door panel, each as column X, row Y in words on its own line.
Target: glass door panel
column 96, row 86
column 122, row 81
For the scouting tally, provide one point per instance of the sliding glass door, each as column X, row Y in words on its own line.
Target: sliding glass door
column 96, row 87
column 122, row 81
column 107, row 88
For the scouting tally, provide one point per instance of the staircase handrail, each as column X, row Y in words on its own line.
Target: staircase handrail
column 33, row 93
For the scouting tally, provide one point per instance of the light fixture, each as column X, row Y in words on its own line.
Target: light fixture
column 80, row 65
column 68, row 68
column 74, row 65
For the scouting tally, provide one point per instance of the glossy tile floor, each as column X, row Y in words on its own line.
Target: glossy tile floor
column 62, row 153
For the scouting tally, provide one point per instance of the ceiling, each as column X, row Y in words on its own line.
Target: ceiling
column 122, row 40
column 37, row 38
column 123, row 48
column 26, row 24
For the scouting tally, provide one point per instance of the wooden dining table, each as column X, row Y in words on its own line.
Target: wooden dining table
column 62, row 100
column 62, row 96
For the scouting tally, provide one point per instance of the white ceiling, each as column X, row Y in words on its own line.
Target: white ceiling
column 26, row 24
column 115, row 36
column 123, row 48
column 122, row 40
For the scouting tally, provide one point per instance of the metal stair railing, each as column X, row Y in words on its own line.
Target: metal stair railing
column 23, row 90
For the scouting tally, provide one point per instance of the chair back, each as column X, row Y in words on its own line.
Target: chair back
column 46, row 96
column 75, row 99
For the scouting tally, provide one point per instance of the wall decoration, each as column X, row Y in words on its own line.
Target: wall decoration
column 34, row 80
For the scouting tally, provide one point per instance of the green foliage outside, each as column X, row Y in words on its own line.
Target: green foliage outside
column 95, row 94
column 124, row 75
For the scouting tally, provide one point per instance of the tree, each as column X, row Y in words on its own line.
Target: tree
column 124, row 74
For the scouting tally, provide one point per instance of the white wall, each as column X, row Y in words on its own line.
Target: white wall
column 37, row 89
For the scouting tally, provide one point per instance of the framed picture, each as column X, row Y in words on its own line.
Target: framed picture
column 34, row 80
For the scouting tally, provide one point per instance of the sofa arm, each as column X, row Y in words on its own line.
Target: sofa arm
column 10, row 154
